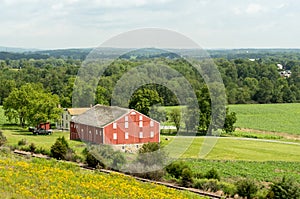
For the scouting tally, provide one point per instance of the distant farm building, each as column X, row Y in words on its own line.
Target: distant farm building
column 67, row 115
column 125, row 129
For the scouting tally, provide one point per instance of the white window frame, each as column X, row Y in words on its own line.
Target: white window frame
column 114, row 125
column 141, row 135
column 90, row 132
column 126, row 136
column 141, row 117
column 96, row 131
column 151, row 123
column 126, row 118
column 141, row 124
column 151, row 134
column 115, row 136
column 126, row 125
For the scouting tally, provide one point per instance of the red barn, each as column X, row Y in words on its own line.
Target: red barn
column 126, row 129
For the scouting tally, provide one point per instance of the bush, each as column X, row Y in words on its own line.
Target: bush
column 175, row 169
column 2, row 139
column 285, row 189
column 43, row 151
column 32, row 147
column 59, row 148
column 186, row 177
column 22, row 142
column 206, row 184
column 212, row 174
column 93, row 162
column 246, row 188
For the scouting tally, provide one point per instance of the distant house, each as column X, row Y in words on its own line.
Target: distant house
column 285, row 73
column 66, row 116
column 125, row 129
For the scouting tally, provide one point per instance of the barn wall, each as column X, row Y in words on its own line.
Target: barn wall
column 86, row 133
column 133, row 130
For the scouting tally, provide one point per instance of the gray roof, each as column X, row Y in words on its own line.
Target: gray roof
column 100, row 115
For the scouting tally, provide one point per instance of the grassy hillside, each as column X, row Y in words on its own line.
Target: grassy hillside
column 39, row 178
column 269, row 117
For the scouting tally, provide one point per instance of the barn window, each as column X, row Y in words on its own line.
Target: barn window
column 90, row 132
column 126, row 118
column 132, row 113
column 151, row 134
column 115, row 136
column 141, row 123
column 151, row 123
column 126, row 135
column 141, row 117
column 141, row 135
column 114, row 125
column 126, row 125
column 81, row 130
column 123, row 147
column 96, row 132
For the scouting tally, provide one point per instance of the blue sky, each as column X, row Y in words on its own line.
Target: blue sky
column 210, row 23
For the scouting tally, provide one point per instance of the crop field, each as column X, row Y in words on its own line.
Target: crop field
column 234, row 148
column 39, row 178
column 269, row 117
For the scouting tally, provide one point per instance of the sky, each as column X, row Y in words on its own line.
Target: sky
column 53, row 24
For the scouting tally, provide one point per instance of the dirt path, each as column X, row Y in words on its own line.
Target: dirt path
column 284, row 135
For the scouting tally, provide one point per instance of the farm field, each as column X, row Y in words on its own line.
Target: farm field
column 39, row 178
column 236, row 149
column 268, row 117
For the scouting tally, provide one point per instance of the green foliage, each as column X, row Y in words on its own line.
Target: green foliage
column 32, row 105
column 143, row 99
column 2, row 138
column 22, row 142
column 176, row 168
column 104, row 156
column 284, row 189
column 229, row 122
column 175, row 116
column 214, row 186
column 246, row 188
column 59, row 149
column 212, row 174
column 186, row 177
column 32, row 147
column 149, row 147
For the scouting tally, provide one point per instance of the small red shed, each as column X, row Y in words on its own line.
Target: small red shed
column 121, row 127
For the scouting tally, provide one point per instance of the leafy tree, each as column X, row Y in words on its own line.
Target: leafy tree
column 143, row 99
column 230, row 120
column 175, row 116
column 32, row 105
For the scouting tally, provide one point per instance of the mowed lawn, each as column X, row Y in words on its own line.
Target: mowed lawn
column 268, row 117
column 231, row 149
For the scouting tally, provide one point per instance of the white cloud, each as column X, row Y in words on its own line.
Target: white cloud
column 254, row 8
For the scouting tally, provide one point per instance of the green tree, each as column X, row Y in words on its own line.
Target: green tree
column 229, row 122
column 31, row 104
column 175, row 116
column 2, row 138
column 143, row 99
column 59, row 149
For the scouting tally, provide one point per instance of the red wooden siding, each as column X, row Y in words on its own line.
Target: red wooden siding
column 105, row 135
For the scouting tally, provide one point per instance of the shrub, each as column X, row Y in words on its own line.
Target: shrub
column 246, row 188
column 186, row 177
column 212, row 174
column 206, row 184
column 22, row 142
column 43, row 151
column 32, row 147
column 93, row 162
column 285, row 189
column 59, row 148
column 175, row 169
column 2, row 138
column 227, row 188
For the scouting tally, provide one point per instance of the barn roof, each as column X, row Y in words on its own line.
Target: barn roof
column 100, row 115
column 77, row 111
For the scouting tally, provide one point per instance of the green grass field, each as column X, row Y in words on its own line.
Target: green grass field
column 234, row 149
column 269, row 117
